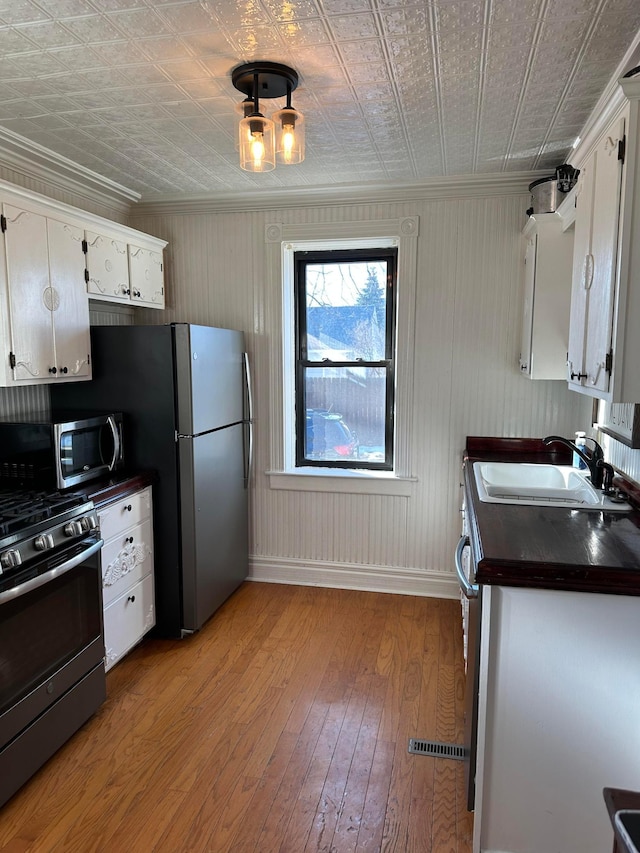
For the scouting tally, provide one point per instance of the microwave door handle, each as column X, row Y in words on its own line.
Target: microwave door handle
column 469, row 590
column 116, row 441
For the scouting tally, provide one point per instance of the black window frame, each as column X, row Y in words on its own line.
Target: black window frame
column 301, row 260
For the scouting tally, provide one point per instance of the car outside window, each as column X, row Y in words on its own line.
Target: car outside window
column 345, row 368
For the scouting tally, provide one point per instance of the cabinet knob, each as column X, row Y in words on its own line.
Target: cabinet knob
column 128, row 292
column 128, row 508
column 53, row 370
column 64, row 370
column 131, row 598
column 136, row 293
column 578, row 376
column 129, row 539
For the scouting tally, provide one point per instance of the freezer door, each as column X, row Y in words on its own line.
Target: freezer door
column 213, row 520
column 209, row 377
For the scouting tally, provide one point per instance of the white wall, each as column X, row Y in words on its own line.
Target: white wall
column 467, row 382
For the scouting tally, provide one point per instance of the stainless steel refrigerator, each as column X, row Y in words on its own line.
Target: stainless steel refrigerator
column 185, row 393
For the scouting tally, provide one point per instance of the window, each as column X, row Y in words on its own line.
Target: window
column 344, row 358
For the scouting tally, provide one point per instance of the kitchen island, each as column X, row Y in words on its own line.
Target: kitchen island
column 559, row 686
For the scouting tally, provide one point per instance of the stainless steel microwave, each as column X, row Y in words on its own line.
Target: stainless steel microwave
column 60, row 453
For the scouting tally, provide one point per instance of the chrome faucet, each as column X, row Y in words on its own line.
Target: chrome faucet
column 599, row 470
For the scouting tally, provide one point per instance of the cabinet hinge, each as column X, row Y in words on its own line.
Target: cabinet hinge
column 85, row 247
column 608, row 362
column 86, row 275
column 12, row 359
column 88, row 358
column 3, row 223
column 161, row 268
column 622, row 147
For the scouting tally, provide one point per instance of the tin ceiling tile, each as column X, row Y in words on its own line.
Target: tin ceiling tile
column 21, row 12
column 95, row 29
column 349, row 27
column 421, row 89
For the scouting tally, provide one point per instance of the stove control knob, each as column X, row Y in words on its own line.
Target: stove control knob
column 44, row 542
column 10, row 559
column 74, row 528
column 91, row 521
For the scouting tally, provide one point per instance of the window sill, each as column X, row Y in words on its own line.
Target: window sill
column 343, row 481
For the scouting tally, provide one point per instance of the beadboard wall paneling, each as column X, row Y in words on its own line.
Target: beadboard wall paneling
column 620, row 456
column 467, row 307
column 18, row 403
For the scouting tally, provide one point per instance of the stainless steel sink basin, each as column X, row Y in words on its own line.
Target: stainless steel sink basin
column 540, row 485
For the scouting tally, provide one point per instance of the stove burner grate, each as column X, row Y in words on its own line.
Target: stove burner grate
column 19, row 510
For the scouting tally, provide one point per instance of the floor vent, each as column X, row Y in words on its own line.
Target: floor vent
column 436, row 749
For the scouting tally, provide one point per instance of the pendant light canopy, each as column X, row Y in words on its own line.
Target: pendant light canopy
column 262, row 140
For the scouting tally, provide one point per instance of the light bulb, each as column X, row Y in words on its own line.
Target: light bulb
column 288, row 141
column 257, row 150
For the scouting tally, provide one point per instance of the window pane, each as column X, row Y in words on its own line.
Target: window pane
column 345, row 413
column 346, row 310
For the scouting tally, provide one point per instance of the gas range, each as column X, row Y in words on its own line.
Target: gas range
column 36, row 524
column 51, row 639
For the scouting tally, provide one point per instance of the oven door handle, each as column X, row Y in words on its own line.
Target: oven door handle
column 116, row 441
column 470, row 590
column 41, row 580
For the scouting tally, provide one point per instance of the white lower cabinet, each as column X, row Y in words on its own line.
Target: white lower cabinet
column 557, row 718
column 127, row 572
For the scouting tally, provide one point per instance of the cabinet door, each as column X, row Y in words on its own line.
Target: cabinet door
column 128, row 619
column 527, row 310
column 69, row 303
column 30, row 295
column 582, row 269
column 146, row 276
column 108, row 267
column 604, row 251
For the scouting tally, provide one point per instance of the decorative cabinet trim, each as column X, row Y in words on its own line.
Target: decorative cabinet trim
column 127, row 572
column 133, row 554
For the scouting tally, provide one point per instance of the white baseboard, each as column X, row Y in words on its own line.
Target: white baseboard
column 354, row 576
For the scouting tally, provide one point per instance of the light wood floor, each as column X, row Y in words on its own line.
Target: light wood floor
column 282, row 726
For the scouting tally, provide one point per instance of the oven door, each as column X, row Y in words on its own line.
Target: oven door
column 87, row 449
column 471, row 596
column 51, row 635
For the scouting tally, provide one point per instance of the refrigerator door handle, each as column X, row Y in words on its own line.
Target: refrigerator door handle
column 247, row 374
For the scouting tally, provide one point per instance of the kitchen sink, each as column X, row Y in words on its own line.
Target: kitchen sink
column 540, row 485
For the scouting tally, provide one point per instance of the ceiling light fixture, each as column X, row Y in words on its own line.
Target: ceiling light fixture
column 263, row 140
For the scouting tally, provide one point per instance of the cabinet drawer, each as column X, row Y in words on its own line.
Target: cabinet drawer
column 124, row 513
column 126, row 559
column 127, row 620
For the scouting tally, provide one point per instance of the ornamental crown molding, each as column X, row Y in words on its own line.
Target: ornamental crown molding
column 35, row 161
column 459, row 186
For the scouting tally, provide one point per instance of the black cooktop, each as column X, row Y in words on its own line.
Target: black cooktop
column 21, row 509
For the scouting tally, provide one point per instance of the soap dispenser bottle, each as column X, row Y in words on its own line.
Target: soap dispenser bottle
column 578, row 461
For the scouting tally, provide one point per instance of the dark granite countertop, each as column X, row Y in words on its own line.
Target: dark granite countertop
column 110, row 489
column 548, row 547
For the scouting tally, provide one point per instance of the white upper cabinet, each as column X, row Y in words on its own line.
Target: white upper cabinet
column 547, row 297
column 52, row 259
column 146, row 276
column 107, row 268
column 120, row 269
column 604, row 338
column 48, row 312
